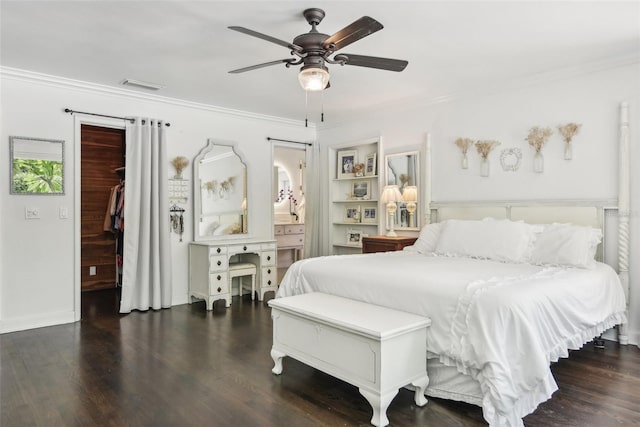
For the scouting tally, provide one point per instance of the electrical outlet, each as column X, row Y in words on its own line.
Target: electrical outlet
column 92, row 270
column 32, row 213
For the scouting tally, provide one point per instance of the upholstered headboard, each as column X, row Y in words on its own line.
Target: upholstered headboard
column 590, row 213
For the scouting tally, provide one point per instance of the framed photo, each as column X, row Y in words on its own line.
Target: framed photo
column 351, row 213
column 370, row 214
column 360, row 190
column 354, row 238
column 370, row 164
column 347, row 159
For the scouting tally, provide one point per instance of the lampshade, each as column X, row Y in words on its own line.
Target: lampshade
column 313, row 78
column 410, row 193
column 391, row 194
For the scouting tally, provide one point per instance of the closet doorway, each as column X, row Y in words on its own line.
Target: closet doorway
column 289, row 188
column 102, row 169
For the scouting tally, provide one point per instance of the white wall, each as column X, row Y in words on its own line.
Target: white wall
column 37, row 277
column 591, row 99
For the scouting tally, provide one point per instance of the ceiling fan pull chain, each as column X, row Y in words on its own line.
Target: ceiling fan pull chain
column 322, row 107
column 306, row 108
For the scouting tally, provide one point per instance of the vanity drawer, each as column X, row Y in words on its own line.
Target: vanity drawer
column 268, row 258
column 291, row 240
column 218, row 283
column 218, row 262
column 217, row 250
column 268, row 246
column 279, row 229
column 241, row 249
column 269, row 276
column 294, row 229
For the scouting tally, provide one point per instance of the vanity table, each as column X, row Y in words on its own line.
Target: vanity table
column 209, row 267
column 220, row 227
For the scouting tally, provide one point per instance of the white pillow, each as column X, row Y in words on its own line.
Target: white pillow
column 567, row 245
column 499, row 240
column 427, row 239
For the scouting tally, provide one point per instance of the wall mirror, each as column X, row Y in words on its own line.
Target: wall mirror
column 37, row 166
column 219, row 193
column 402, row 169
column 283, row 184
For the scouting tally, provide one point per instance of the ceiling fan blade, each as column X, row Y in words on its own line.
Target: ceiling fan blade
column 374, row 62
column 352, row 33
column 267, row 38
column 266, row 64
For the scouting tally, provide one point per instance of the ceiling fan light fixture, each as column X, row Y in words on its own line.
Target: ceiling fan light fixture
column 314, row 78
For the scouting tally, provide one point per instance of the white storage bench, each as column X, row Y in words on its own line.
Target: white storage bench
column 377, row 349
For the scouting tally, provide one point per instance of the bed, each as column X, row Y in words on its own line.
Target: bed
column 510, row 287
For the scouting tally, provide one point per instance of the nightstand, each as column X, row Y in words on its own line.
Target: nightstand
column 372, row 244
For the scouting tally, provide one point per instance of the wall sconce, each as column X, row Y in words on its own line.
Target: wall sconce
column 391, row 195
column 410, row 196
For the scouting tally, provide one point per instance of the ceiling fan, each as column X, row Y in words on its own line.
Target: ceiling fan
column 314, row 50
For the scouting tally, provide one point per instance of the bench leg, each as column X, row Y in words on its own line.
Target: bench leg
column 379, row 403
column 421, row 386
column 277, row 359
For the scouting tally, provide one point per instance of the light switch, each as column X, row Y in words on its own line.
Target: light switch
column 32, row 213
column 63, row 212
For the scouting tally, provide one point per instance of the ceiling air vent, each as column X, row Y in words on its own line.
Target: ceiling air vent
column 139, row 83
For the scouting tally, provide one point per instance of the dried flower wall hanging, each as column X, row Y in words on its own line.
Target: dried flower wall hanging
column 484, row 148
column 179, row 163
column 464, row 144
column 568, row 131
column 537, row 138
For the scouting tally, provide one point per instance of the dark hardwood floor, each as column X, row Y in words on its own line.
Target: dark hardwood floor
column 188, row 367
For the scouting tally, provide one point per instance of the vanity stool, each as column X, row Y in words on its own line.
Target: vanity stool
column 240, row 270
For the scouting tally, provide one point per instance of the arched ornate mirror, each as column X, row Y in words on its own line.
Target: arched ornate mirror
column 402, row 169
column 220, row 192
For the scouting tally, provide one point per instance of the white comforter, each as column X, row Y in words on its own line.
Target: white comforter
column 500, row 323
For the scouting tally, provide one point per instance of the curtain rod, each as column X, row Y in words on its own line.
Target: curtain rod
column 132, row 120
column 288, row 140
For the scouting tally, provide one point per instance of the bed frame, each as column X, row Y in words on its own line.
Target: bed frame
column 595, row 213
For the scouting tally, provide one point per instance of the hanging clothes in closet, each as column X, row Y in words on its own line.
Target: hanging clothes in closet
column 114, row 222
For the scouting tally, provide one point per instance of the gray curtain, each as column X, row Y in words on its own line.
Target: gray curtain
column 146, row 275
column 313, row 235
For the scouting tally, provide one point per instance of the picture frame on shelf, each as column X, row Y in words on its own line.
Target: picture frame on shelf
column 354, row 237
column 347, row 159
column 369, row 214
column 360, row 190
column 351, row 213
column 370, row 164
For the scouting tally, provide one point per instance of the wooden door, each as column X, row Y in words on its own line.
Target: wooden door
column 102, row 151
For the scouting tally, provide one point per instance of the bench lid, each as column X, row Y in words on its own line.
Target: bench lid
column 356, row 316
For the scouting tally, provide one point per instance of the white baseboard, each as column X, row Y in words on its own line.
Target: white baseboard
column 39, row 321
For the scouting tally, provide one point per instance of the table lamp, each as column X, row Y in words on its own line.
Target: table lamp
column 391, row 195
column 410, row 196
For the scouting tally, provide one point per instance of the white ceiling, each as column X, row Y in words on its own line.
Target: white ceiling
column 452, row 47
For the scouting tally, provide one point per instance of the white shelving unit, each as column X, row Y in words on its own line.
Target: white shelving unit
column 354, row 195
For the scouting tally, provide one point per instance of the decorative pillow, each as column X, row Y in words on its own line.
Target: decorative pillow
column 427, row 239
column 499, row 240
column 567, row 245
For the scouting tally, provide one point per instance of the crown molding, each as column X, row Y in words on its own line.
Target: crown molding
column 67, row 83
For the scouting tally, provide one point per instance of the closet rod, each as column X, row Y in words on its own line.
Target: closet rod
column 287, row 140
column 70, row 111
